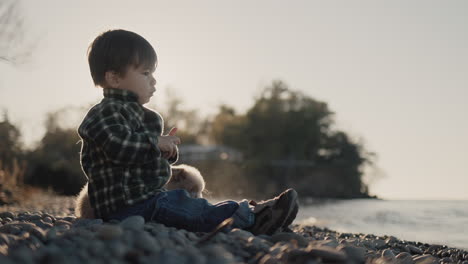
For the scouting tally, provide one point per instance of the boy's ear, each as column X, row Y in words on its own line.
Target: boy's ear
column 112, row 79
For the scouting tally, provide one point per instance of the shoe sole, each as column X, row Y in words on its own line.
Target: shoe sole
column 291, row 217
column 289, row 197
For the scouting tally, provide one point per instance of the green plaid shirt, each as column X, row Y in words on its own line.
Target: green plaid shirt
column 119, row 152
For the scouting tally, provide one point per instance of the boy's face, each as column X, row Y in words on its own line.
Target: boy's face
column 139, row 80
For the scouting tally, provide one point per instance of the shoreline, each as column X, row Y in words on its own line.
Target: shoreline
column 46, row 231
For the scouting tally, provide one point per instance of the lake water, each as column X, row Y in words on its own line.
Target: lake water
column 434, row 222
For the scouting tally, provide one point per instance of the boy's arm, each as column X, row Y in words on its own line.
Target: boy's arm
column 120, row 144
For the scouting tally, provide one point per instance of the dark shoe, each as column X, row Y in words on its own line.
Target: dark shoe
column 291, row 216
column 270, row 215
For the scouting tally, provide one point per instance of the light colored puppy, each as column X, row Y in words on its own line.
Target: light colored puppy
column 183, row 177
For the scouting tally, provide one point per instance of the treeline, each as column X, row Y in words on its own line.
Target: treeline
column 287, row 139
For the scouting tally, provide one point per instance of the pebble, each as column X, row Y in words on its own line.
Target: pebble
column 425, row 259
column 357, row 254
column 62, row 222
column 388, row 254
column 379, row 243
column 289, row 237
column 414, row 250
column 55, row 235
column 327, row 254
column 404, row 258
column 391, row 240
column 109, row 232
column 7, row 215
column 146, row 242
column 135, row 222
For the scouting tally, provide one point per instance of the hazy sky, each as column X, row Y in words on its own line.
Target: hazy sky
column 395, row 72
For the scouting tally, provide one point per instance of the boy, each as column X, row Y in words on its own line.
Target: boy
column 126, row 158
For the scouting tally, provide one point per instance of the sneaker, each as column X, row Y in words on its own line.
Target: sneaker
column 271, row 215
column 290, row 218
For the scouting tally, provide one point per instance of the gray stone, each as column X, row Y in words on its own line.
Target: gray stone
column 109, row 232
column 48, row 219
column 379, row 243
column 146, row 242
column 69, row 218
column 10, row 228
column 135, row 222
column 391, row 240
column 426, row 259
column 403, row 255
column 5, row 260
column 170, row 256
column 33, row 242
column 327, row 254
column 33, row 217
column 51, row 233
column 95, row 248
column 414, row 250
column 217, row 254
column 191, row 236
column 81, row 222
column 7, row 214
column 62, row 222
column 329, row 243
column 434, row 248
column 162, row 235
column 388, row 254
column 292, row 258
column 289, row 237
column 7, row 239
column 259, row 244
column 179, row 237
column 117, row 248
column 93, row 222
column 43, row 225
column 404, row 258
column 240, row 234
column 357, row 254
column 39, row 233
column 446, row 260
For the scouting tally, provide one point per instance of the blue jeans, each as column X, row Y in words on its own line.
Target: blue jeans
column 177, row 209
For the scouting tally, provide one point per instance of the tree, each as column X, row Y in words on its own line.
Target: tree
column 55, row 163
column 287, row 137
column 11, row 162
column 10, row 145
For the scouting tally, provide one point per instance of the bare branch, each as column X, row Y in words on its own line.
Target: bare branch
column 14, row 48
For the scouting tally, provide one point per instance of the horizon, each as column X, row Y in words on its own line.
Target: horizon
column 394, row 72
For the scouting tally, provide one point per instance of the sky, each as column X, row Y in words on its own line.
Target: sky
column 394, row 72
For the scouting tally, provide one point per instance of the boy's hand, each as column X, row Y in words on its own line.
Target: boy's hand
column 168, row 144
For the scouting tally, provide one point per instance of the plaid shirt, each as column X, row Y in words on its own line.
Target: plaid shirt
column 119, row 152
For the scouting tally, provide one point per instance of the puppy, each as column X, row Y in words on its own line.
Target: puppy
column 183, row 177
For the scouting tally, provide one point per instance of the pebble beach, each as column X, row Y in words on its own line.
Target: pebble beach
column 45, row 230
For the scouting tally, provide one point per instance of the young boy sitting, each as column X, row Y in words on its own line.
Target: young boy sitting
column 127, row 160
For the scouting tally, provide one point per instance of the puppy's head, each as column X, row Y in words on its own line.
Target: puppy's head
column 187, row 178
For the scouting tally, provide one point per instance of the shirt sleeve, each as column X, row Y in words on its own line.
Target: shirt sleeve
column 116, row 135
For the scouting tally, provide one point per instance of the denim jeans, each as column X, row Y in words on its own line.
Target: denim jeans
column 177, row 209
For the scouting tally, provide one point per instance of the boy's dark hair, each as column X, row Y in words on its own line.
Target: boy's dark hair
column 115, row 50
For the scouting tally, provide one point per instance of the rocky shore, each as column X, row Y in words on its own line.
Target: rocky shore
column 45, row 230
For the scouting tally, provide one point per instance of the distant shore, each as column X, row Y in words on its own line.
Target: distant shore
column 46, row 231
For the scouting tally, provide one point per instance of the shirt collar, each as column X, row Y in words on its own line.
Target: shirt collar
column 120, row 94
